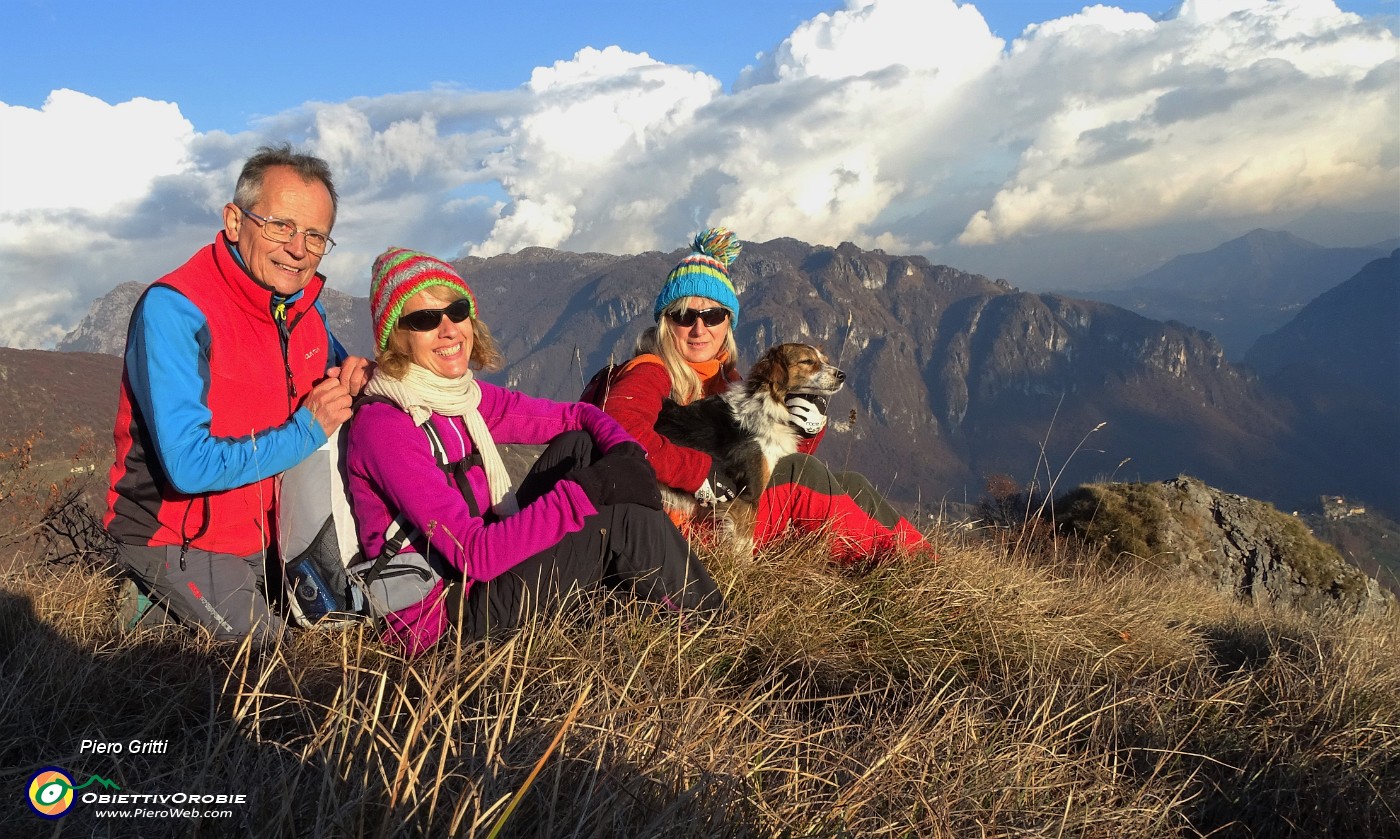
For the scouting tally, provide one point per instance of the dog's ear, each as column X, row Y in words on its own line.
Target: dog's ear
column 778, row 374
column 771, row 372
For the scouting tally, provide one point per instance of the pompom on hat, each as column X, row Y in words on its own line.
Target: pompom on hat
column 400, row 273
column 704, row 273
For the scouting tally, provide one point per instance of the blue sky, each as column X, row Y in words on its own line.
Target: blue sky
column 168, row 50
column 1046, row 142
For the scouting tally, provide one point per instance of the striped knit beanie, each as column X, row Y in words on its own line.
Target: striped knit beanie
column 399, row 274
column 704, row 273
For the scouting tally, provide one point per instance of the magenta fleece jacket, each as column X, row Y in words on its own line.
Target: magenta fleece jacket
column 390, row 469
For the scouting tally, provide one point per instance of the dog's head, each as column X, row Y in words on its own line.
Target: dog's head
column 795, row 368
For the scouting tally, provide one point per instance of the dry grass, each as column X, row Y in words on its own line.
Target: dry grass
column 989, row 694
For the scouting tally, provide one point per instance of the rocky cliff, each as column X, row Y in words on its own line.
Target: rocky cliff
column 103, row 328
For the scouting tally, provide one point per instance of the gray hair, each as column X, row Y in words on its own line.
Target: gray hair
column 248, row 191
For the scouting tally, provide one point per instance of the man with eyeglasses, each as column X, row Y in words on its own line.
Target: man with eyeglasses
column 231, row 377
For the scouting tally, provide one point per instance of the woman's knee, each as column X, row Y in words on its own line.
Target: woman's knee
column 804, row 470
column 856, row 484
column 577, row 442
column 567, row 451
column 868, row 498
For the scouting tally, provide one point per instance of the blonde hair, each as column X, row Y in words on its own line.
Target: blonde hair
column 395, row 358
column 659, row 340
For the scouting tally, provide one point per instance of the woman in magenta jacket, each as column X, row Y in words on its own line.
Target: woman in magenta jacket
column 690, row 354
column 587, row 515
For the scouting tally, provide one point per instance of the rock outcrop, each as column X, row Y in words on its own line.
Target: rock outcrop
column 1244, row 547
column 103, row 328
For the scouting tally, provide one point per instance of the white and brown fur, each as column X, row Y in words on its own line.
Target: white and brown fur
column 746, row 429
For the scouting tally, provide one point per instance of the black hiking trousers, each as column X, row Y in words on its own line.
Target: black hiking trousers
column 628, row 549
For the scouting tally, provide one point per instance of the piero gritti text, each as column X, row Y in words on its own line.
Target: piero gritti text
column 129, row 747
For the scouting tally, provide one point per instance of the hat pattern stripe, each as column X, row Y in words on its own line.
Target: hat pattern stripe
column 401, row 297
column 398, row 275
column 395, row 264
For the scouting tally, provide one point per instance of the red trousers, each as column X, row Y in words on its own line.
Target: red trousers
column 806, row 495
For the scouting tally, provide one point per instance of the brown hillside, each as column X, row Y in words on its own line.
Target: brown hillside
column 70, row 397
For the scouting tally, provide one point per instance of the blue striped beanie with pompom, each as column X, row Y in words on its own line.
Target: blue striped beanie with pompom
column 704, row 273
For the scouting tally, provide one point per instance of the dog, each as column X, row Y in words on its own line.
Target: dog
column 746, row 429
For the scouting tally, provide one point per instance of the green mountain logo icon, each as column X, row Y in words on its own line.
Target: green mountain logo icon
column 98, row 779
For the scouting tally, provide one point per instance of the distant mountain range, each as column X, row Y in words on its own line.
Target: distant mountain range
column 953, row 377
column 1337, row 367
column 1349, row 332
column 1242, row 289
column 103, row 328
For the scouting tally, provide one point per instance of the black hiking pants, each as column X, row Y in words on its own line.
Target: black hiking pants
column 626, row 548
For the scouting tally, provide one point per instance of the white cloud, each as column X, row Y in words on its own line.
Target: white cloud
column 902, row 124
column 571, row 162
column 936, row 36
column 79, row 152
column 1232, row 108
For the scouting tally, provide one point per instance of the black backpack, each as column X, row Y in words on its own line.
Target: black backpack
column 596, row 391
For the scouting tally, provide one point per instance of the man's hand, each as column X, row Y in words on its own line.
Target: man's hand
column 354, row 373
column 329, row 403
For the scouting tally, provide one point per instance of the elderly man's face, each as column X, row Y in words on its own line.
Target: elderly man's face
column 285, row 267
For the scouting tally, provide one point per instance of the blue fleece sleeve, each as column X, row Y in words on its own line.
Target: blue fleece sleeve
column 167, row 361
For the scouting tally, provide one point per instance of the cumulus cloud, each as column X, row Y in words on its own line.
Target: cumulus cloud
column 579, row 164
column 939, row 37
column 78, row 152
column 902, row 124
column 1230, row 108
column 93, row 195
column 72, row 174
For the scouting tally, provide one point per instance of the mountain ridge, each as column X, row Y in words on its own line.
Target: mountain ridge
column 954, row 377
column 1240, row 289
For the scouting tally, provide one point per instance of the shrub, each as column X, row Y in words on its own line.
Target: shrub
column 1122, row 519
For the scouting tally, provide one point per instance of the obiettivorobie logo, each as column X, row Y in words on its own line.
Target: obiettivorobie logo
column 51, row 791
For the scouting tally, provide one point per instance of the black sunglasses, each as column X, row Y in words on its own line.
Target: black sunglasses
column 426, row 320
column 710, row 317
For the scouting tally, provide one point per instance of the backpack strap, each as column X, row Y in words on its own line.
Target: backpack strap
column 398, row 535
column 457, row 471
column 393, row 545
column 596, row 391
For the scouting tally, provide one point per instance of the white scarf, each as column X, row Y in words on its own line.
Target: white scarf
column 423, row 393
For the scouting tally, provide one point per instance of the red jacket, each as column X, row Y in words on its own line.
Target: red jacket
column 251, row 384
column 634, row 399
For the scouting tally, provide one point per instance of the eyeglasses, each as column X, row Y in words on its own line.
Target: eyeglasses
column 282, row 232
column 710, row 317
column 426, row 320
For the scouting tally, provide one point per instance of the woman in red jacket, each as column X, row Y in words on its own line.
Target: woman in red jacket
column 690, row 354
